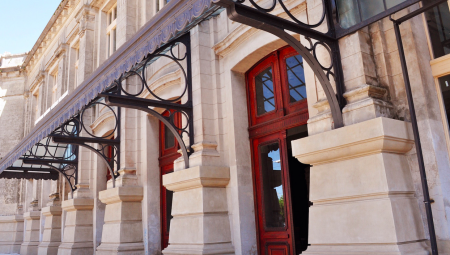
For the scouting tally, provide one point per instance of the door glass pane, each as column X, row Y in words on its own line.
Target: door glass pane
column 348, row 11
column 352, row 12
column 392, row 3
column 438, row 20
column 265, row 98
column 370, row 8
column 169, row 138
column 169, row 196
column 296, row 78
column 272, row 186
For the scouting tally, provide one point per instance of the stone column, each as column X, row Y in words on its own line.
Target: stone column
column 126, row 21
column 51, row 238
column 199, row 199
column 78, row 233
column 151, row 181
column 11, row 234
column 200, row 223
column 11, row 223
column 62, row 79
column 360, row 207
column 78, row 226
column 32, row 229
column 85, row 19
column 122, row 231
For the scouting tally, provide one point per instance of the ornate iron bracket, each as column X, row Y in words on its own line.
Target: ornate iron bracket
column 71, row 130
column 119, row 95
column 260, row 18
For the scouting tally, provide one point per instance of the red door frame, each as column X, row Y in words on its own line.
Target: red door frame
column 166, row 158
column 265, row 129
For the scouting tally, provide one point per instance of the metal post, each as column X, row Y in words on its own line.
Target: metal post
column 423, row 174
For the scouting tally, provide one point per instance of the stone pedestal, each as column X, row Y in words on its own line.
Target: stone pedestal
column 362, row 190
column 51, row 238
column 122, row 231
column 31, row 237
column 78, row 231
column 200, row 223
column 11, row 233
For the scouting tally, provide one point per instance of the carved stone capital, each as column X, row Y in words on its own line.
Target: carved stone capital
column 62, row 48
column 85, row 19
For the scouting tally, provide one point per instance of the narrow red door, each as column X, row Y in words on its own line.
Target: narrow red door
column 278, row 114
column 168, row 154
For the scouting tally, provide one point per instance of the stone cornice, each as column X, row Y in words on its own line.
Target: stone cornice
column 37, row 80
column 61, row 49
column 53, row 26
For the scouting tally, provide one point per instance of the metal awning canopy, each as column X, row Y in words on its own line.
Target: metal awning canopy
column 45, row 161
column 172, row 21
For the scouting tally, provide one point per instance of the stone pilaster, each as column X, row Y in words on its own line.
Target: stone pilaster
column 51, row 238
column 361, row 208
column 62, row 80
column 11, row 233
column 78, row 227
column 122, row 231
column 126, row 21
column 78, row 232
column 200, row 223
column 86, row 24
column 32, row 231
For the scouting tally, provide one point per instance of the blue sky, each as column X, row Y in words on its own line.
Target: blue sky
column 22, row 22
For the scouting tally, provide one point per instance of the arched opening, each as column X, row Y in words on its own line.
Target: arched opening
column 278, row 114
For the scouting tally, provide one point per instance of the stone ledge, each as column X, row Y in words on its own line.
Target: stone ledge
column 11, row 218
column 33, row 215
column 122, row 194
column 419, row 247
column 52, row 210
column 197, row 177
column 178, row 249
column 365, row 138
column 78, row 204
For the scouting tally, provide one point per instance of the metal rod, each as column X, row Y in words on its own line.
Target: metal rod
column 423, row 174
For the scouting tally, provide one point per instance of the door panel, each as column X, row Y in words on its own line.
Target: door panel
column 270, row 180
column 277, row 249
column 168, row 147
column 278, row 113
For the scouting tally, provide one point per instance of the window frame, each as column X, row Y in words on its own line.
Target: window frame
column 111, row 30
column 277, row 60
column 440, row 67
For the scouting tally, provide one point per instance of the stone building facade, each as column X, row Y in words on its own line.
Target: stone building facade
column 268, row 171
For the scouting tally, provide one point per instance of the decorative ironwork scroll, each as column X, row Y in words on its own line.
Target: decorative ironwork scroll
column 44, row 161
column 76, row 132
column 260, row 18
column 134, row 90
column 58, row 152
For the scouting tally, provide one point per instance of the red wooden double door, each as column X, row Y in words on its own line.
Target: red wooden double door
column 278, row 113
